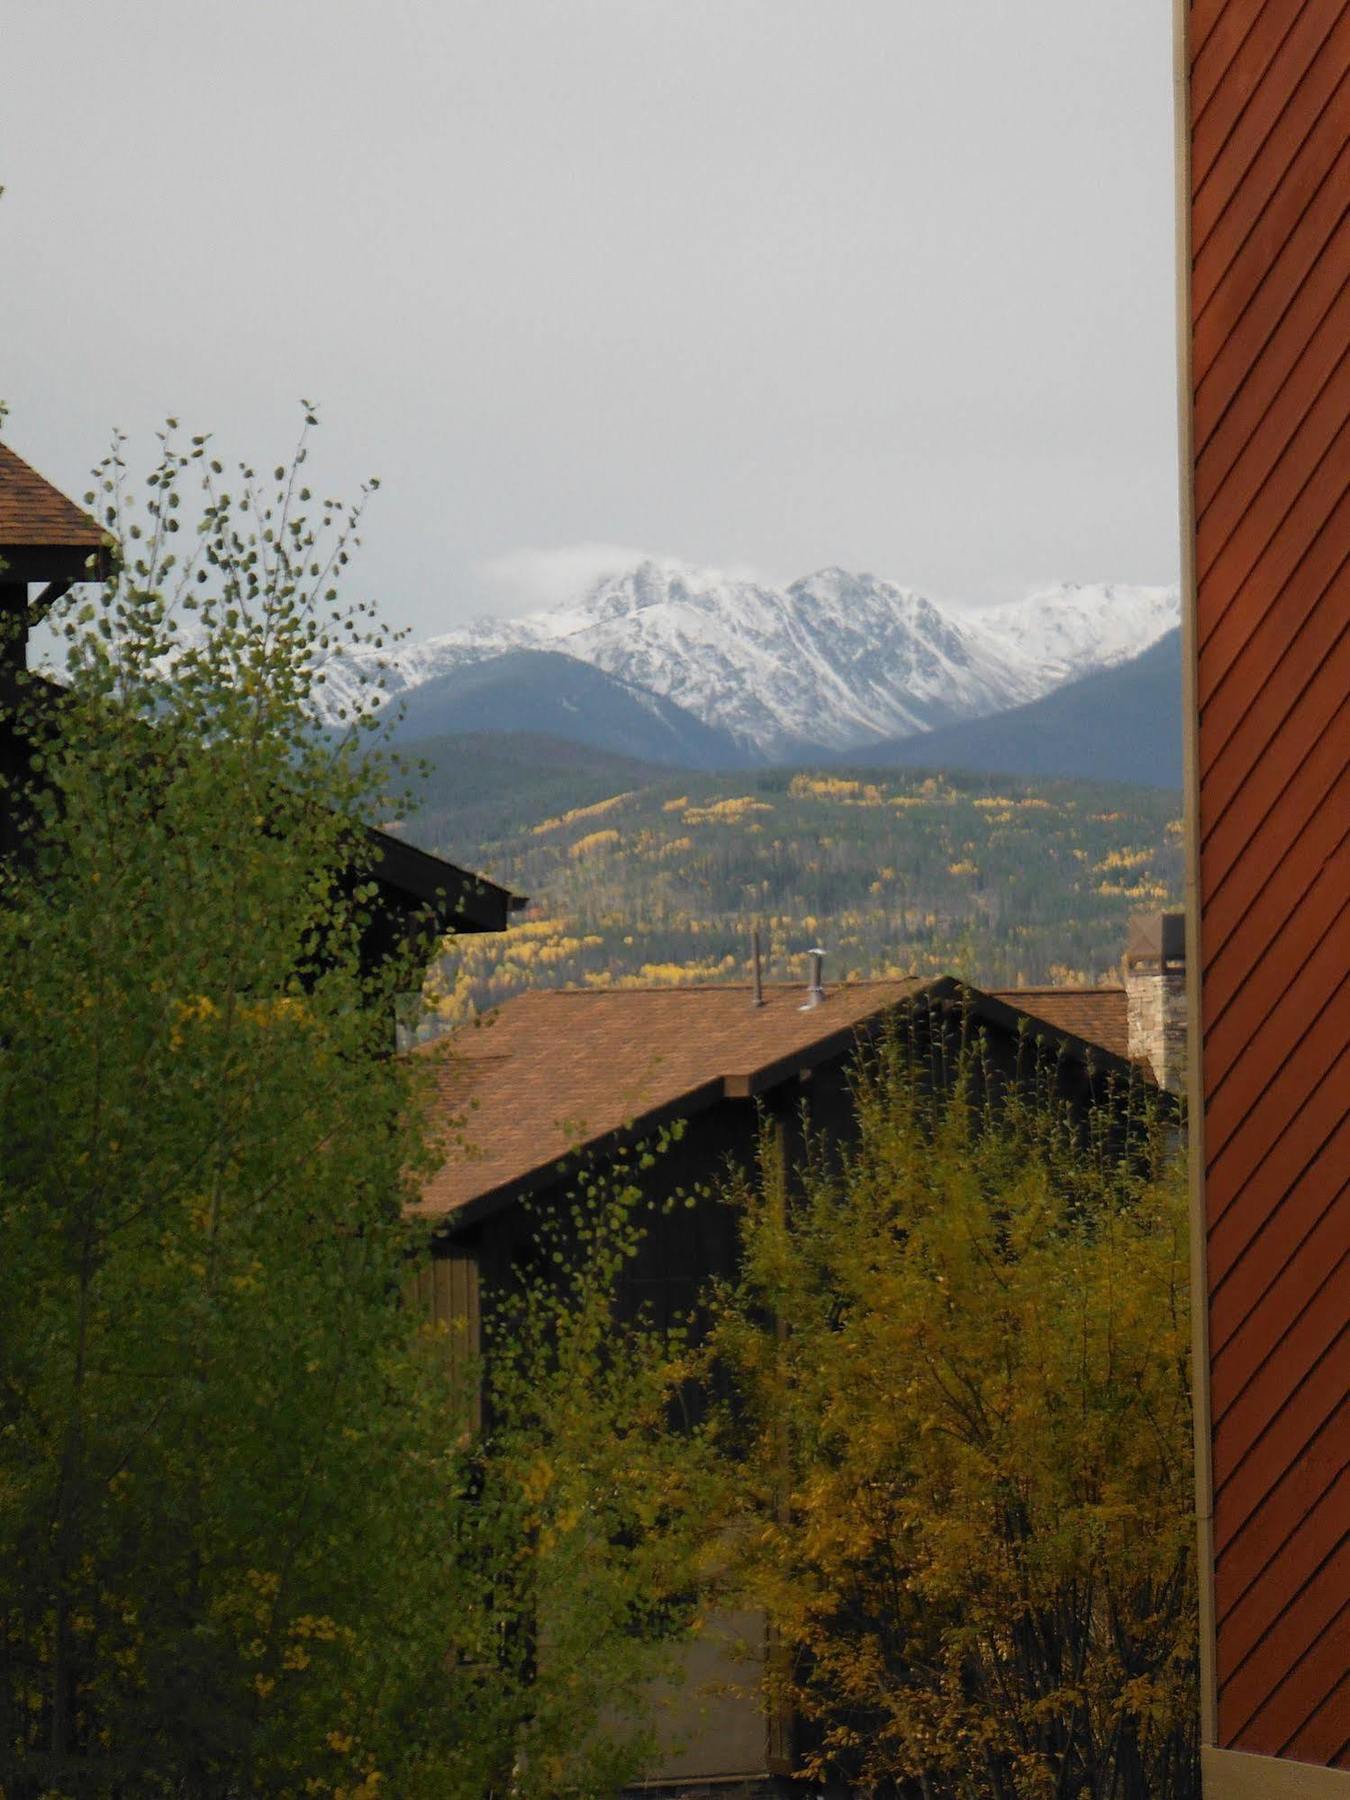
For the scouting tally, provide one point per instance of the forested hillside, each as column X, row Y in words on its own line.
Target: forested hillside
column 542, row 691
column 488, row 787
column 1119, row 724
column 891, row 871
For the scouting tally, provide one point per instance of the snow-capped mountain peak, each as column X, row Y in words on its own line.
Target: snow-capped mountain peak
column 1077, row 627
column 836, row 659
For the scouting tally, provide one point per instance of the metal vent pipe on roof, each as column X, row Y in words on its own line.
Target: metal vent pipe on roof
column 815, row 993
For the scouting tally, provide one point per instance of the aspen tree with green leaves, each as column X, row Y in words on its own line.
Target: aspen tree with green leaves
column 252, row 1540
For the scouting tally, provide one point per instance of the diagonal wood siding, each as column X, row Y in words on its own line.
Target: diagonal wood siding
column 1269, row 121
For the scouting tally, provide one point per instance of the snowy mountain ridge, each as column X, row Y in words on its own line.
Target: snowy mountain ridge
column 835, row 659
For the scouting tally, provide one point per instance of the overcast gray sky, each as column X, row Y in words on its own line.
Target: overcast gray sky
column 758, row 283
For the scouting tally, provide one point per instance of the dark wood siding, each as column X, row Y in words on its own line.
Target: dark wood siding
column 1269, row 107
column 443, row 1289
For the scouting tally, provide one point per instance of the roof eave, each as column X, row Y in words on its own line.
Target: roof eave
column 453, row 897
column 1097, row 1057
column 573, row 1161
column 944, row 991
column 24, row 563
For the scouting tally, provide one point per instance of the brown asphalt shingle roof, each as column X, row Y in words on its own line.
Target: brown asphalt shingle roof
column 555, row 1069
column 1095, row 1014
column 33, row 512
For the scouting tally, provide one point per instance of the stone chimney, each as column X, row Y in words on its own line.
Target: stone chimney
column 1155, row 995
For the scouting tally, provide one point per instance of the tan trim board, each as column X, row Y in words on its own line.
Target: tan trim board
column 1236, row 1775
column 1195, row 1091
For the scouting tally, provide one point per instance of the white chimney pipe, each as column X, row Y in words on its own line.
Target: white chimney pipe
column 815, row 993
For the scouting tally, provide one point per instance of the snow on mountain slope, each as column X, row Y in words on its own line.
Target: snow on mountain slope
column 835, row 659
column 1072, row 630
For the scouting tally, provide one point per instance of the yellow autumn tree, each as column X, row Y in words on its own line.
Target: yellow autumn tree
column 960, row 1368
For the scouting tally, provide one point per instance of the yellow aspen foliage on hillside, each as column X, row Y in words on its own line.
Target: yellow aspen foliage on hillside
column 834, row 787
column 1140, row 891
column 725, row 812
column 994, row 880
column 596, row 810
column 597, row 840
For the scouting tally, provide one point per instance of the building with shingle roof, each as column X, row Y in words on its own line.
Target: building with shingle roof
column 559, row 1084
column 46, row 540
column 1096, row 1015
column 43, row 535
column 557, row 1073
column 557, row 1070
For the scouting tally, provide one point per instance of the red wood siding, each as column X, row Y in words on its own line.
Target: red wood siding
column 1270, row 326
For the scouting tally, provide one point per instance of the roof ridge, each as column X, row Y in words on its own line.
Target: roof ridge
column 718, row 987
column 1067, row 987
